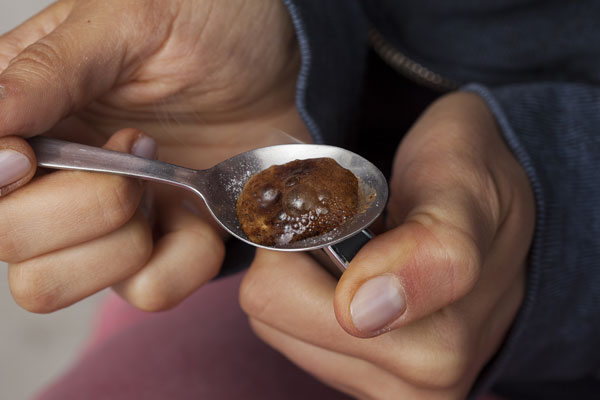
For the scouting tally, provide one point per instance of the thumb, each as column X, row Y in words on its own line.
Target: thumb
column 406, row 274
column 80, row 59
column 29, row 32
column 446, row 210
column 17, row 164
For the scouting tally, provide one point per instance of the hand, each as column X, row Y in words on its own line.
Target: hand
column 206, row 79
column 424, row 306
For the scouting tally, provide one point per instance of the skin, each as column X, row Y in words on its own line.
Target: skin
column 81, row 71
column 459, row 223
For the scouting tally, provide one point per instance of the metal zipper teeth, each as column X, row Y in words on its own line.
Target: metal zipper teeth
column 407, row 67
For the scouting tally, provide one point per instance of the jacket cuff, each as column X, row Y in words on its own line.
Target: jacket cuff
column 553, row 131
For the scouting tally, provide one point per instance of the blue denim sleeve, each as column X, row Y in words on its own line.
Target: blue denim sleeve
column 554, row 131
column 332, row 37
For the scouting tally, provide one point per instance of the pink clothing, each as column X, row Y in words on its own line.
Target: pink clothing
column 202, row 349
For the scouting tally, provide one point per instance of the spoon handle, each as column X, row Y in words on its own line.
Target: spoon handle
column 58, row 154
column 336, row 257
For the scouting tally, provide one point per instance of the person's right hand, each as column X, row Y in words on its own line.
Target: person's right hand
column 206, row 79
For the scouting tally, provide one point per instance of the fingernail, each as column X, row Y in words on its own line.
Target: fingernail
column 377, row 303
column 145, row 147
column 13, row 166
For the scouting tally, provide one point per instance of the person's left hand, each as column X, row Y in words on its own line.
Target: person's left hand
column 424, row 306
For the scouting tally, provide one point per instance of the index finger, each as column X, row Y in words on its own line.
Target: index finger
column 293, row 294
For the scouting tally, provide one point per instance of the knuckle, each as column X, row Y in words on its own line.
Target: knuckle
column 40, row 60
column 138, row 244
column 252, row 296
column 437, row 370
column 210, row 247
column 464, row 260
column 454, row 355
column 32, row 290
column 446, row 360
column 151, row 295
column 452, row 249
column 117, row 198
column 12, row 246
column 43, row 62
column 39, row 56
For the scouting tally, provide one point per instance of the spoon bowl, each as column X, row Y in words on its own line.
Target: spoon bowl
column 227, row 180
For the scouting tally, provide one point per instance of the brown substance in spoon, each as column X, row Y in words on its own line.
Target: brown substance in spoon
column 297, row 200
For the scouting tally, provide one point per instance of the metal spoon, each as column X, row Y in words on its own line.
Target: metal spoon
column 221, row 185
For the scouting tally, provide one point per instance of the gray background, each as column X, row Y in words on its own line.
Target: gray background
column 34, row 348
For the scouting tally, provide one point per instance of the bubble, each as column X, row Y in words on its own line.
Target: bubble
column 322, row 211
column 299, row 200
column 268, row 196
column 291, row 181
column 285, row 237
column 323, row 196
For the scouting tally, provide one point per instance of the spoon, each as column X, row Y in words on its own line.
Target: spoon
column 221, row 185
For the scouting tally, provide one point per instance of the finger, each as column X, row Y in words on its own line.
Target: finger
column 36, row 27
column 293, row 294
column 448, row 209
column 67, row 208
column 17, row 164
column 355, row 377
column 188, row 254
column 61, row 278
column 63, row 71
column 406, row 274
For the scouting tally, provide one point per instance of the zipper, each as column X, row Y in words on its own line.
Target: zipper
column 407, row 67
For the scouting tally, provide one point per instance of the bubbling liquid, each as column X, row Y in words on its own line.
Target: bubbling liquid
column 297, row 200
